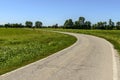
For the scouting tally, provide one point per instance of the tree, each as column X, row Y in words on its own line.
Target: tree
column 111, row 24
column 1, row 26
column 118, row 25
column 81, row 20
column 82, row 24
column 38, row 24
column 87, row 25
column 100, row 25
column 68, row 23
column 16, row 25
column 29, row 24
column 76, row 25
column 94, row 26
column 7, row 25
column 105, row 25
column 55, row 26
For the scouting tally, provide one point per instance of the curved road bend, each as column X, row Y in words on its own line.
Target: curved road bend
column 90, row 58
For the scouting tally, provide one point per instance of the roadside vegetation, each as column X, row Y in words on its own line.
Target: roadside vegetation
column 19, row 47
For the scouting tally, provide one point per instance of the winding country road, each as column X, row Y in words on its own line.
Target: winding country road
column 90, row 58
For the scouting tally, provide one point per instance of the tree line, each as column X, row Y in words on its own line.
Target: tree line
column 81, row 23
column 28, row 24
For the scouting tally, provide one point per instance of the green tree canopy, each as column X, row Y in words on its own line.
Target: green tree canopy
column 118, row 25
column 87, row 25
column 81, row 20
column 38, row 24
column 111, row 24
column 68, row 23
column 29, row 24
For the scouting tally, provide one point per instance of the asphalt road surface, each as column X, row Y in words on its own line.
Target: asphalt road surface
column 90, row 58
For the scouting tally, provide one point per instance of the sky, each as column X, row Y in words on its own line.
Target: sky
column 51, row 12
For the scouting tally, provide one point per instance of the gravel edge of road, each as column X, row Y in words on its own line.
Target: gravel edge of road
column 117, row 57
column 115, row 62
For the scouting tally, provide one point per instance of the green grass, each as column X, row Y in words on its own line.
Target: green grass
column 19, row 47
column 112, row 36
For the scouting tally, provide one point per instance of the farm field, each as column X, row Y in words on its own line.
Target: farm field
column 112, row 36
column 19, row 47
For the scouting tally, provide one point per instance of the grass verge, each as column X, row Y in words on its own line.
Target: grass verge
column 112, row 36
column 19, row 47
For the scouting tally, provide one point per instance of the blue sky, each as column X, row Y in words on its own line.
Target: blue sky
column 57, row 11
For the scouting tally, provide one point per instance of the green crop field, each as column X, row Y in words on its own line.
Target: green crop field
column 19, row 47
column 112, row 36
